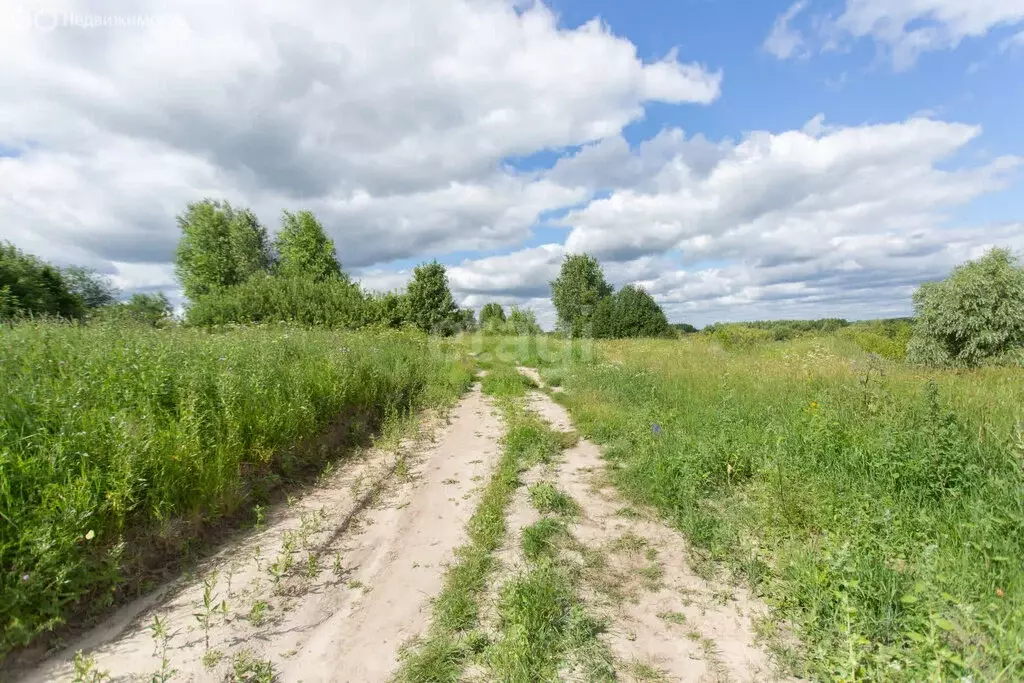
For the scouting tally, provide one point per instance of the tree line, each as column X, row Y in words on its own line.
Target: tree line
column 232, row 272
column 31, row 287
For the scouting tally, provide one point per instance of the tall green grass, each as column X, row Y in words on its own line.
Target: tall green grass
column 121, row 445
column 877, row 508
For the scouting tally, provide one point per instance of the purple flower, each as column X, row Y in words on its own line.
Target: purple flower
column 656, row 428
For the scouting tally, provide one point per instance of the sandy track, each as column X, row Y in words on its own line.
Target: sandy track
column 666, row 622
column 380, row 532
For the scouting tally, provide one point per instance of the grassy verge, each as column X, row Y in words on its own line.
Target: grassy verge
column 119, row 447
column 878, row 509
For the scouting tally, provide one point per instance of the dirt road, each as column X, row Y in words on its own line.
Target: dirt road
column 333, row 585
column 665, row 621
column 338, row 580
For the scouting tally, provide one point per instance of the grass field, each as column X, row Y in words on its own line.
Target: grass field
column 121, row 447
column 877, row 508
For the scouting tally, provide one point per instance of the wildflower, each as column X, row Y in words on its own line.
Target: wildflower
column 24, row 578
column 90, row 535
column 656, row 429
column 999, row 592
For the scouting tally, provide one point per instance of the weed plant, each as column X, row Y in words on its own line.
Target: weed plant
column 120, row 445
column 879, row 509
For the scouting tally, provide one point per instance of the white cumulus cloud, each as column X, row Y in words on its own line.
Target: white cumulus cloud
column 904, row 28
column 390, row 120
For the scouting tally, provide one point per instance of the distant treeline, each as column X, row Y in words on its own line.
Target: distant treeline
column 33, row 288
column 233, row 273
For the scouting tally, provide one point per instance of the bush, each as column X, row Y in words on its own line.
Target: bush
column 974, row 316
column 577, row 292
column 333, row 302
column 522, row 322
column 736, row 335
column 431, row 307
column 390, row 310
column 684, row 328
column 630, row 312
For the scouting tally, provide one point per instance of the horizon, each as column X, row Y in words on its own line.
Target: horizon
column 795, row 161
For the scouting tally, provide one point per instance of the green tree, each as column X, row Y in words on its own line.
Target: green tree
column 602, row 320
column 466, row 319
column 9, row 304
column 637, row 314
column 150, row 309
column 975, row 315
column 492, row 317
column 30, row 286
column 250, row 245
column 577, row 290
column 304, row 249
column 219, row 247
column 522, row 322
column 95, row 290
column 431, row 307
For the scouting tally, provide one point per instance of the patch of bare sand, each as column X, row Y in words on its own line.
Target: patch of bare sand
column 666, row 622
column 380, row 533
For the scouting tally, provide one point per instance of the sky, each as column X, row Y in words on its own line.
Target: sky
column 740, row 160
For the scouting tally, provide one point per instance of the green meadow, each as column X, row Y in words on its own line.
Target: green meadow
column 876, row 507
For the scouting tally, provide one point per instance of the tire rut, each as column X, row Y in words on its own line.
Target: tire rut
column 380, row 533
column 665, row 621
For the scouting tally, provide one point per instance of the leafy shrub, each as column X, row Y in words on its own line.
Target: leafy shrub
column 733, row 335
column 390, row 310
column 684, row 328
column 522, row 322
column 974, row 316
column 220, row 246
column 576, row 293
column 304, row 249
column 95, row 290
column 754, row 332
column 333, row 302
column 630, row 312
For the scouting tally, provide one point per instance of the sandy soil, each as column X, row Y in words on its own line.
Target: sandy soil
column 665, row 621
column 358, row 560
